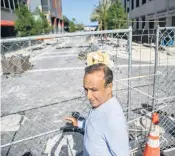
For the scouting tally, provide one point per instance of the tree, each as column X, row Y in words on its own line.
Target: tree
column 116, row 16
column 100, row 14
column 41, row 23
column 109, row 14
column 79, row 27
column 66, row 23
column 72, row 26
column 28, row 24
column 24, row 25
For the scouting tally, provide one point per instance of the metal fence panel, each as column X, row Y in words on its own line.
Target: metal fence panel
column 35, row 102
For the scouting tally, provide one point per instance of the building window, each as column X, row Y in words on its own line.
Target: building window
column 12, row 4
column 143, row 22
column 6, row 4
column 143, row 1
column 22, row 2
column 44, row 4
column 132, row 4
column 173, row 20
column 162, row 22
column 16, row 3
column 151, row 24
column 137, row 3
column 137, row 23
column 125, row 5
column 2, row 4
column 127, row 10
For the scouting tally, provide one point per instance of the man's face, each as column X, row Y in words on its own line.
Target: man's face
column 94, row 85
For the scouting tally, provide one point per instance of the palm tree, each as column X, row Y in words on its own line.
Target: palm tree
column 100, row 13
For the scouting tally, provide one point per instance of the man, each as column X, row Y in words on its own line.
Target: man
column 105, row 128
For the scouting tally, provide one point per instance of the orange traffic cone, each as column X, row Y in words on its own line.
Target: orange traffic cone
column 152, row 147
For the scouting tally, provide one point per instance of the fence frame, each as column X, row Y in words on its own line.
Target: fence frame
column 129, row 74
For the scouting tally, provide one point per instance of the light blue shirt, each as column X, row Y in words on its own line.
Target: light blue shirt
column 106, row 131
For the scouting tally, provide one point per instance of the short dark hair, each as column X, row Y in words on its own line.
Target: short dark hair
column 108, row 74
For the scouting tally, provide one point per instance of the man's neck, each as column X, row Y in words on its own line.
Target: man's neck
column 108, row 98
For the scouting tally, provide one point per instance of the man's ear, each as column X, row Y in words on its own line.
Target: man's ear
column 109, row 87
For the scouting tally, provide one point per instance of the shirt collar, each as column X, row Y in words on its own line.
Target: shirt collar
column 102, row 106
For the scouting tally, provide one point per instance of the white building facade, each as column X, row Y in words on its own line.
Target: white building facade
column 153, row 12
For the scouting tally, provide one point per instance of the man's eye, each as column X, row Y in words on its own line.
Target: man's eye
column 94, row 90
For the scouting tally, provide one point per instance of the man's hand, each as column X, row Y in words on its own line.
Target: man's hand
column 73, row 120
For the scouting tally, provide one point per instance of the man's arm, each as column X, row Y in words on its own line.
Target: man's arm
column 117, row 136
column 81, row 123
column 77, row 123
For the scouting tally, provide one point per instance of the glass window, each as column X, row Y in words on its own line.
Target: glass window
column 143, row 22
column 143, row 1
column 6, row 3
column 133, row 22
column 137, row 3
column 11, row 4
column 16, row 3
column 125, row 5
column 2, row 4
column 22, row 1
column 151, row 24
column 173, row 20
column 162, row 22
column 132, row 4
column 127, row 10
column 137, row 23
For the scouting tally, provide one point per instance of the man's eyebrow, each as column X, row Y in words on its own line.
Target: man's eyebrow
column 93, row 88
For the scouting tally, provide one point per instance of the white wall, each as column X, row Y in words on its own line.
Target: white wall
column 150, row 7
column 169, row 21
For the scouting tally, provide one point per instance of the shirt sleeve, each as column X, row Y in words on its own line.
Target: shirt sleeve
column 117, row 136
column 81, row 124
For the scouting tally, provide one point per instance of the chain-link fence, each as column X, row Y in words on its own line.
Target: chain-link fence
column 42, row 83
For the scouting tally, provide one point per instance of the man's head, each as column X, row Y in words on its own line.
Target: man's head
column 98, row 84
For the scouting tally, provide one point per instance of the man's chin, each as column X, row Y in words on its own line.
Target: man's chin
column 94, row 105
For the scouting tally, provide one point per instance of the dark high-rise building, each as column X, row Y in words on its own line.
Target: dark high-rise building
column 8, row 16
column 51, row 8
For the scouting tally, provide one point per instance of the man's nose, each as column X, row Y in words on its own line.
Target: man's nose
column 89, row 94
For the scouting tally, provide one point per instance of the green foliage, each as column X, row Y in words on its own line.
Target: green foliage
column 65, row 19
column 29, row 24
column 100, row 14
column 79, row 26
column 66, row 23
column 72, row 25
column 24, row 23
column 42, row 24
column 116, row 16
column 109, row 14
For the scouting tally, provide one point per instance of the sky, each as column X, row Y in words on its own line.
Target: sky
column 79, row 9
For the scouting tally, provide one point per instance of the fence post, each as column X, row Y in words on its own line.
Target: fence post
column 30, row 45
column 129, row 71
column 155, row 66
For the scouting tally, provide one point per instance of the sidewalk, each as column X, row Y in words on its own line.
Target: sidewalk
column 144, row 53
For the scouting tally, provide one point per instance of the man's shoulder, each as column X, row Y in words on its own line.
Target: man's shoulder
column 114, row 106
